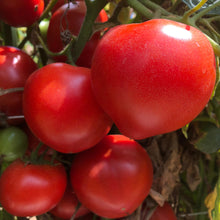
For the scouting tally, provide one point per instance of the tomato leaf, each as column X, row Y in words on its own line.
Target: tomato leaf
column 210, row 141
column 193, row 3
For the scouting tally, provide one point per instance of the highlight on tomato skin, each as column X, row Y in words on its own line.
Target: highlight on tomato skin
column 154, row 77
column 112, row 178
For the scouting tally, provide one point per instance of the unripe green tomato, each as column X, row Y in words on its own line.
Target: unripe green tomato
column 43, row 28
column 13, row 143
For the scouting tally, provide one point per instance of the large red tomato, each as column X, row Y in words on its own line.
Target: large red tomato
column 22, row 13
column 60, row 108
column 15, row 67
column 153, row 77
column 67, row 206
column 164, row 212
column 30, row 189
column 71, row 19
column 113, row 178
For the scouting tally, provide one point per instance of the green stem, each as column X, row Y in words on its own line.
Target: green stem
column 153, row 6
column 50, row 53
column 215, row 46
column 47, row 9
column 93, row 9
column 193, row 10
column 206, row 10
column 139, row 7
column 11, row 90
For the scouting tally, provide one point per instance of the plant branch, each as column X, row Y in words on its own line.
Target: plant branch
column 11, row 90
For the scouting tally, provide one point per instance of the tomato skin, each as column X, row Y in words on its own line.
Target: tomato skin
column 67, row 206
column 64, row 115
column 22, row 14
column 153, row 77
column 164, row 212
column 73, row 21
column 15, row 67
column 29, row 190
column 112, row 178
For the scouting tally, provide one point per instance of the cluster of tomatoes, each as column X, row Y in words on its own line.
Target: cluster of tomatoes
column 141, row 77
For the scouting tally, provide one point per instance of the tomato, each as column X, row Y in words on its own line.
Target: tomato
column 67, row 206
column 64, row 115
column 153, row 77
column 72, row 22
column 29, row 189
column 13, row 143
column 113, row 178
column 21, row 14
column 164, row 212
column 15, row 67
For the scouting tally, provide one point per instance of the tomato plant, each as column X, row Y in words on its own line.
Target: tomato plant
column 67, row 21
column 68, row 205
column 164, row 212
column 21, row 14
column 13, row 143
column 154, row 77
column 112, row 178
column 15, row 67
column 65, row 115
column 31, row 189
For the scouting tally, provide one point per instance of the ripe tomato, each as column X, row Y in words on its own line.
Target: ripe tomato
column 153, row 77
column 165, row 212
column 15, row 67
column 21, row 14
column 29, row 189
column 113, row 178
column 64, row 115
column 13, row 143
column 72, row 21
column 67, row 206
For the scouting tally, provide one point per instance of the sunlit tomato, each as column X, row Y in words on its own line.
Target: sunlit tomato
column 67, row 206
column 15, row 67
column 64, row 114
column 153, row 77
column 30, row 189
column 164, row 213
column 112, row 178
column 22, row 13
column 13, row 143
column 71, row 19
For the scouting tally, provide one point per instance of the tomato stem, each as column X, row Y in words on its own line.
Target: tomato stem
column 86, row 31
column 188, row 13
column 11, row 90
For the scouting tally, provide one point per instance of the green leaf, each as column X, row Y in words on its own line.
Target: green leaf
column 210, row 141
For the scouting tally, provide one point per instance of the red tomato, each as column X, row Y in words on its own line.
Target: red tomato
column 22, row 13
column 64, row 115
column 153, row 77
column 164, row 213
column 29, row 190
column 67, row 206
column 72, row 21
column 15, row 67
column 113, row 178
